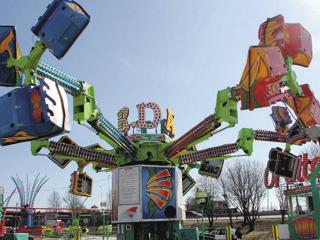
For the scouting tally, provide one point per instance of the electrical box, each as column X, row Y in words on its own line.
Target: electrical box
column 81, row 184
column 60, row 25
column 8, row 48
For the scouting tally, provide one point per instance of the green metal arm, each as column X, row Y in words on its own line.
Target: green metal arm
column 290, row 79
column 85, row 109
column 99, row 157
column 226, row 106
column 245, row 140
column 28, row 64
column 225, row 111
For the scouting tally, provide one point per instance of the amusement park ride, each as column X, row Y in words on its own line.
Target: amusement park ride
column 150, row 171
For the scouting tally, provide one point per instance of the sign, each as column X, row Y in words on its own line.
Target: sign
column 187, row 183
column 201, row 197
column 169, row 123
column 142, row 122
column 147, row 193
column 103, row 204
column 123, row 124
column 129, row 192
column 129, row 213
column 159, row 193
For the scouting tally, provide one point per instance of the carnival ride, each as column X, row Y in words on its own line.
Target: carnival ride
column 37, row 109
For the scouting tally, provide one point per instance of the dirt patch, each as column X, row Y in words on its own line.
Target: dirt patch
column 258, row 236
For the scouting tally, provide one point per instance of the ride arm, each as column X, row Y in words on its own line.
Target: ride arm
column 28, row 64
column 225, row 111
column 85, row 108
column 290, row 78
column 244, row 142
column 68, row 150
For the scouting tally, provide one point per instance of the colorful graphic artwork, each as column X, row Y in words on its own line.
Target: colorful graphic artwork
column 305, row 227
column 9, row 48
column 129, row 213
column 159, row 200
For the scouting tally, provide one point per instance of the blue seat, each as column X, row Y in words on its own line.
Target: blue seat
column 33, row 112
column 8, row 48
column 60, row 25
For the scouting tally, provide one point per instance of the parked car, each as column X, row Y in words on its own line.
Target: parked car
column 215, row 234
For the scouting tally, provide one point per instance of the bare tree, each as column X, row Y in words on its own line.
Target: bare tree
column 312, row 150
column 191, row 203
column 54, row 200
column 243, row 187
column 74, row 202
column 211, row 186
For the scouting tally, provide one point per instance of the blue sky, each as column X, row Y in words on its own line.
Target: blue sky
column 177, row 53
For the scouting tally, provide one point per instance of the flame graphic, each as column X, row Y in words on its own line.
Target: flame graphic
column 159, row 188
column 131, row 211
column 305, row 227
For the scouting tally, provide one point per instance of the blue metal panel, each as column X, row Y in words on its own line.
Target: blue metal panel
column 8, row 48
column 32, row 113
column 60, row 25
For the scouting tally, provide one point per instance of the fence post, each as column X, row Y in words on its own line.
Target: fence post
column 228, row 233
column 275, row 232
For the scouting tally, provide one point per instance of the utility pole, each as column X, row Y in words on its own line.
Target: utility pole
column 202, row 200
